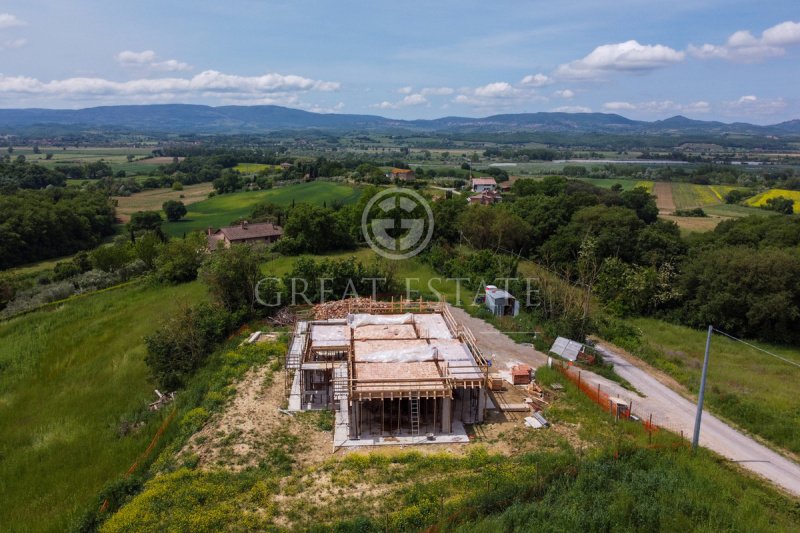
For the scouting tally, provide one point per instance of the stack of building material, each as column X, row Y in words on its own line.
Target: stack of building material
column 521, row 375
column 339, row 308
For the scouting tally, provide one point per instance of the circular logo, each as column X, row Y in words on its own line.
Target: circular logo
column 397, row 223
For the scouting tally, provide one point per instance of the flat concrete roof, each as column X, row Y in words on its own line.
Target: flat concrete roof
column 325, row 335
column 385, row 332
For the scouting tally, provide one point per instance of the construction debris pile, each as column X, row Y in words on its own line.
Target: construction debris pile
column 340, row 308
column 284, row 317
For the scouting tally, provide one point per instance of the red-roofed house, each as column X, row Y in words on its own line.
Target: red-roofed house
column 402, row 174
column 483, row 184
column 244, row 233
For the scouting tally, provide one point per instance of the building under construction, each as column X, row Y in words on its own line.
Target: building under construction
column 392, row 372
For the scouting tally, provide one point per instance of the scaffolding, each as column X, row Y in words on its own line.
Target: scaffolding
column 333, row 366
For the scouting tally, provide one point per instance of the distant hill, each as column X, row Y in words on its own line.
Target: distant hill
column 185, row 118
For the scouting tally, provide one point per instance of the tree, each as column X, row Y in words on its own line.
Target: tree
column 181, row 258
column 148, row 247
column 146, row 221
column 780, row 204
column 36, row 149
column 177, row 185
column 174, row 209
column 232, row 275
column 314, row 229
column 184, row 341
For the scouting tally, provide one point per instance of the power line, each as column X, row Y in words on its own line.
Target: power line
column 785, row 360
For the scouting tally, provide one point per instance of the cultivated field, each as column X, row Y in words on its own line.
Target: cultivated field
column 116, row 157
column 664, row 198
column 711, row 198
column 151, row 200
column 224, row 209
column 73, row 378
column 626, row 185
column 248, row 168
column 761, row 199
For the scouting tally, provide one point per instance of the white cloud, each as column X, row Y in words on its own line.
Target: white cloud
column 743, row 46
column 409, row 100
column 572, row 109
column 7, row 20
column 207, row 83
column 12, row 44
column 315, row 108
column 566, row 94
column 627, row 56
column 499, row 95
column 659, row 107
column 408, row 89
column 500, row 89
column 753, row 105
column 437, row 91
column 148, row 59
column 536, row 80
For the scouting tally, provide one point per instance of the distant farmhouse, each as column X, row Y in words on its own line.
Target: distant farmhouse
column 401, row 174
column 485, row 198
column 244, row 233
column 483, row 184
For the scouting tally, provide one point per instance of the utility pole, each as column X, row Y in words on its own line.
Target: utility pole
column 696, row 438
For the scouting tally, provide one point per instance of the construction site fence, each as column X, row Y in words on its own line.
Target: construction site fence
column 595, row 392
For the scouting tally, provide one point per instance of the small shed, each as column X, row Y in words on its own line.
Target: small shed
column 500, row 302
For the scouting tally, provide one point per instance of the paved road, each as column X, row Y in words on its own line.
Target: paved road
column 668, row 408
column 675, row 412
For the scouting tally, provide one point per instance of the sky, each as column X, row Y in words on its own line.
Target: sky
column 728, row 60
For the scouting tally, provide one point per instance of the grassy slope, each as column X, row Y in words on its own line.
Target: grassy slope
column 68, row 377
column 223, row 209
column 756, row 391
column 585, row 473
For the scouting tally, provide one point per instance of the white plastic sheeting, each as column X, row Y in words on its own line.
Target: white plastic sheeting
column 566, row 348
column 358, row 320
column 401, row 354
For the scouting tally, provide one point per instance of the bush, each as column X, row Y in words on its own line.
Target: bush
column 182, row 344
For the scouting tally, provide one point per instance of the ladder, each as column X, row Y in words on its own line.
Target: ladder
column 414, row 403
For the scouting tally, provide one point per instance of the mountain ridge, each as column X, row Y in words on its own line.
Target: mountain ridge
column 195, row 118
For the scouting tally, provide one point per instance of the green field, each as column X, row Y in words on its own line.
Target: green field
column 70, row 375
column 607, row 183
column 224, row 209
column 247, row 168
column 756, row 391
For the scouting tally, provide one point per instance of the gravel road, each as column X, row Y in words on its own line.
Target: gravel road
column 668, row 408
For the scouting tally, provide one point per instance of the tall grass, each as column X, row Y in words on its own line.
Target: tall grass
column 72, row 382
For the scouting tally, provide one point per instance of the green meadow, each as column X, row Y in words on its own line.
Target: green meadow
column 71, row 376
column 222, row 210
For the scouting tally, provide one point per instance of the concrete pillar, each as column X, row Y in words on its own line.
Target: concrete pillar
column 447, row 415
column 355, row 420
column 481, row 404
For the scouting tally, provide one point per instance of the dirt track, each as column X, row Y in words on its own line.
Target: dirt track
column 664, row 200
column 505, row 351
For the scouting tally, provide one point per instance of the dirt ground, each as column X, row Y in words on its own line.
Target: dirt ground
column 243, row 434
column 151, row 200
column 664, row 200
